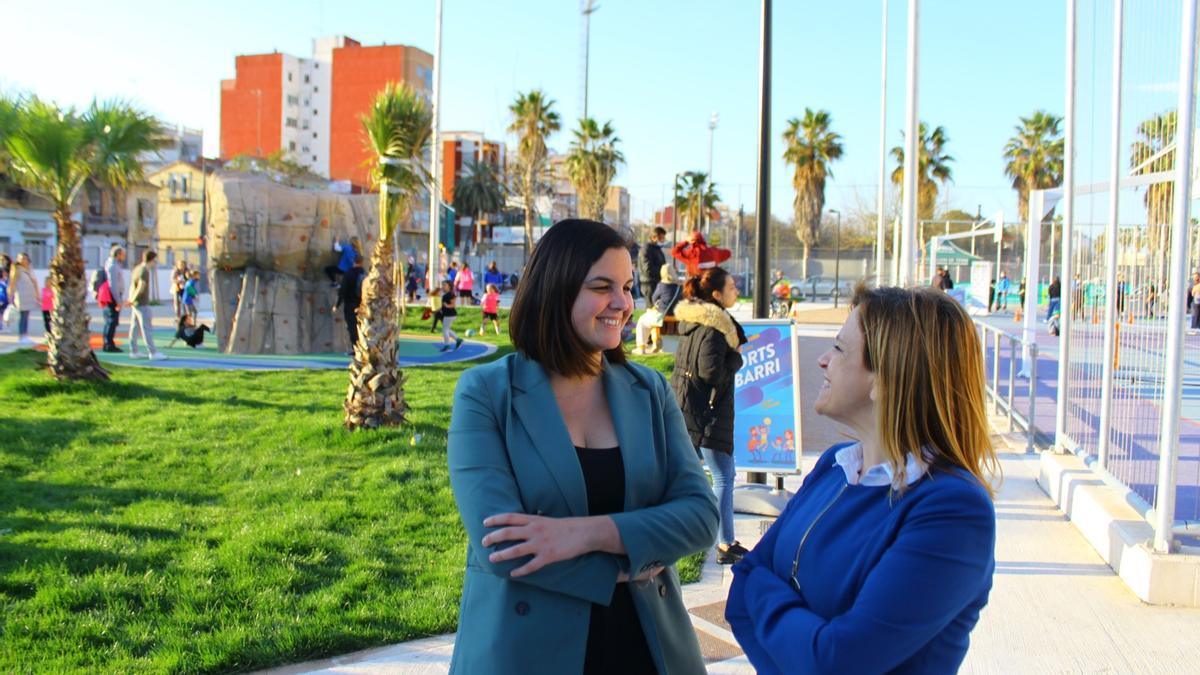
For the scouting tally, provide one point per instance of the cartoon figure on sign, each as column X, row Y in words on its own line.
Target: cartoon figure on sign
column 753, row 444
column 789, row 443
column 777, row 450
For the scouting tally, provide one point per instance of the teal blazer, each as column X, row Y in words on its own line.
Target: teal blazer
column 509, row 451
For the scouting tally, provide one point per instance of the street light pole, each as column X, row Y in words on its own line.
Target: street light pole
column 908, row 243
column 587, row 9
column 675, row 219
column 712, row 127
column 435, row 198
column 762, row 300
column 837, row 261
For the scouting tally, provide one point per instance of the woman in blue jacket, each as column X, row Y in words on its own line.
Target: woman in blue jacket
column 576, row 482
column 884, row 558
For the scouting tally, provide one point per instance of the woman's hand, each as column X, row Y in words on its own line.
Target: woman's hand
column 549, row 540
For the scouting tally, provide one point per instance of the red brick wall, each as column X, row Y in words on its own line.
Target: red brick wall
column 251, row 107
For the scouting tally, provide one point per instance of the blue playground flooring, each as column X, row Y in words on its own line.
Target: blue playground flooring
column 414, row 351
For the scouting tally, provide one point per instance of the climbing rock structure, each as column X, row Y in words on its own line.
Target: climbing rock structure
column 269, row 245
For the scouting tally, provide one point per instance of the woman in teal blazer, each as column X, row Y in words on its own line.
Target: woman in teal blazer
column 539, row 442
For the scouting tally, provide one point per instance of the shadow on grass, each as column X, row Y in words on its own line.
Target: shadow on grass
column 36, row 438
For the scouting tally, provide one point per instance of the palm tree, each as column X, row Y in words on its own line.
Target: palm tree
column 479, row 191
column 398, row 128
column 811, row 148
column 933, row 167
column 695, row 195
column 1035, row 157
column 54, row 153
column 533, row 122
column 592, row 164
column 1153, row 152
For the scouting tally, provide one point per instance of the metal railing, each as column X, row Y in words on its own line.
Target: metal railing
column 1005, row 402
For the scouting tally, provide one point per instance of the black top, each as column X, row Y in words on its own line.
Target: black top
column 350, row 290
column 448, row 304
column 616, row 643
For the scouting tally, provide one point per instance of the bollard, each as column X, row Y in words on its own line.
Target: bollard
column 1033, row 370
column 1012, row 380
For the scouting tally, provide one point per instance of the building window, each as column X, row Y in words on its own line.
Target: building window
column 316, row 89
column 303, row 124
column 292, row 146
column 291, row 122
column 293, row 100
column 289, row 77
column 187, row 217
column 314, row 134
column 305, row 79
column 314, row 158
column 305, row 149
column 314, row 112
column 183, row 183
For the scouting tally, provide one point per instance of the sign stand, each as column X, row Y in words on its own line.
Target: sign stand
column 767, row 423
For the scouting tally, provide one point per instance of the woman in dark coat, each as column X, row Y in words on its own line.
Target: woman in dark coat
column 703, row 379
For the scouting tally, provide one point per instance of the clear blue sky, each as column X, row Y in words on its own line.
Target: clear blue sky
column 658, row 69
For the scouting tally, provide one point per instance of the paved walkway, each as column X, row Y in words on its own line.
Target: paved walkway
column 1055, row 607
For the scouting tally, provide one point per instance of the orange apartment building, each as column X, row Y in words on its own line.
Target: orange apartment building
column 459, row 150
column 310, row 107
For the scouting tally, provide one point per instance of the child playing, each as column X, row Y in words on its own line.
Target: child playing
column 449, row 313
column 491, row 309
column 47, row 307
column 191, row 293
column 435, row 304
column 192, row 335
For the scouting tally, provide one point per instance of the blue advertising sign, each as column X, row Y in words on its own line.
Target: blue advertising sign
column 766, row 430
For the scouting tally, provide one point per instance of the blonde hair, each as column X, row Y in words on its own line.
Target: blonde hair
column 929, row 378
column 667, row 273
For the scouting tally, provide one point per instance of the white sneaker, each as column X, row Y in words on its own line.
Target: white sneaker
column 157, row 356
column 26, row 340
column 135, row 355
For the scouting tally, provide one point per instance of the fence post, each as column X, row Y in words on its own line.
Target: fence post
column 1012, row 380
column 996, row 372
column 1031, row 428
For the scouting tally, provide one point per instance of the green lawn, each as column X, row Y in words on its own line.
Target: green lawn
column 212, row 521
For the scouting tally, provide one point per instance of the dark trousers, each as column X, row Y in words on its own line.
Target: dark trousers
column 112, row 316
column 46, row 321
column 1196, row 315
column 333, row 272
column 351, row 316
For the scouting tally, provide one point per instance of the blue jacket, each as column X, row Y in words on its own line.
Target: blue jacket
column 888, row 584
column 509, row 451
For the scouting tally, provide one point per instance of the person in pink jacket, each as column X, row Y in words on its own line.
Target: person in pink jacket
column 47, row 306
column 464, row 282
column 491, row 309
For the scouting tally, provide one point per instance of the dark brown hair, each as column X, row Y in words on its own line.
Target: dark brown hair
column 702, row 287
column 539, row 323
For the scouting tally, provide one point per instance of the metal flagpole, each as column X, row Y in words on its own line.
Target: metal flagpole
column 880, row 232
column 912, row 149
column 1110, row 242
column 762, row 303
column 435, row 201
column 1065, row 323
column 1164, row 516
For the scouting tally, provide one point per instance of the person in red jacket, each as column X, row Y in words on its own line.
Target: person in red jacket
column 697, row 255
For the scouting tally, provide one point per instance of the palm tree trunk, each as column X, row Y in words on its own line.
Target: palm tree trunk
column 804, row 263
column 375, row 396
column 528, row 195
column 70, row 354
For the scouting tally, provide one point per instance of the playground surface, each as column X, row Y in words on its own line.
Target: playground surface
column 415, row 351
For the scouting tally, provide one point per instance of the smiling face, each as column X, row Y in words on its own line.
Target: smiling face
column 847, row 395
column 605, row 301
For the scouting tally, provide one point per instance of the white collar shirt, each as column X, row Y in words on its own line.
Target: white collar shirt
column 850, row 459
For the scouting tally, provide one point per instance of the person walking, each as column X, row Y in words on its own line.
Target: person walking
column 883, row 560
column 449, row 314
column 650, row 263
column 23, row 287
column 706, row 362
column 179, row 279
column 139, row 301
column 349, row 297
column 114, row 277
column 1054, row 297
column 576, row 482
